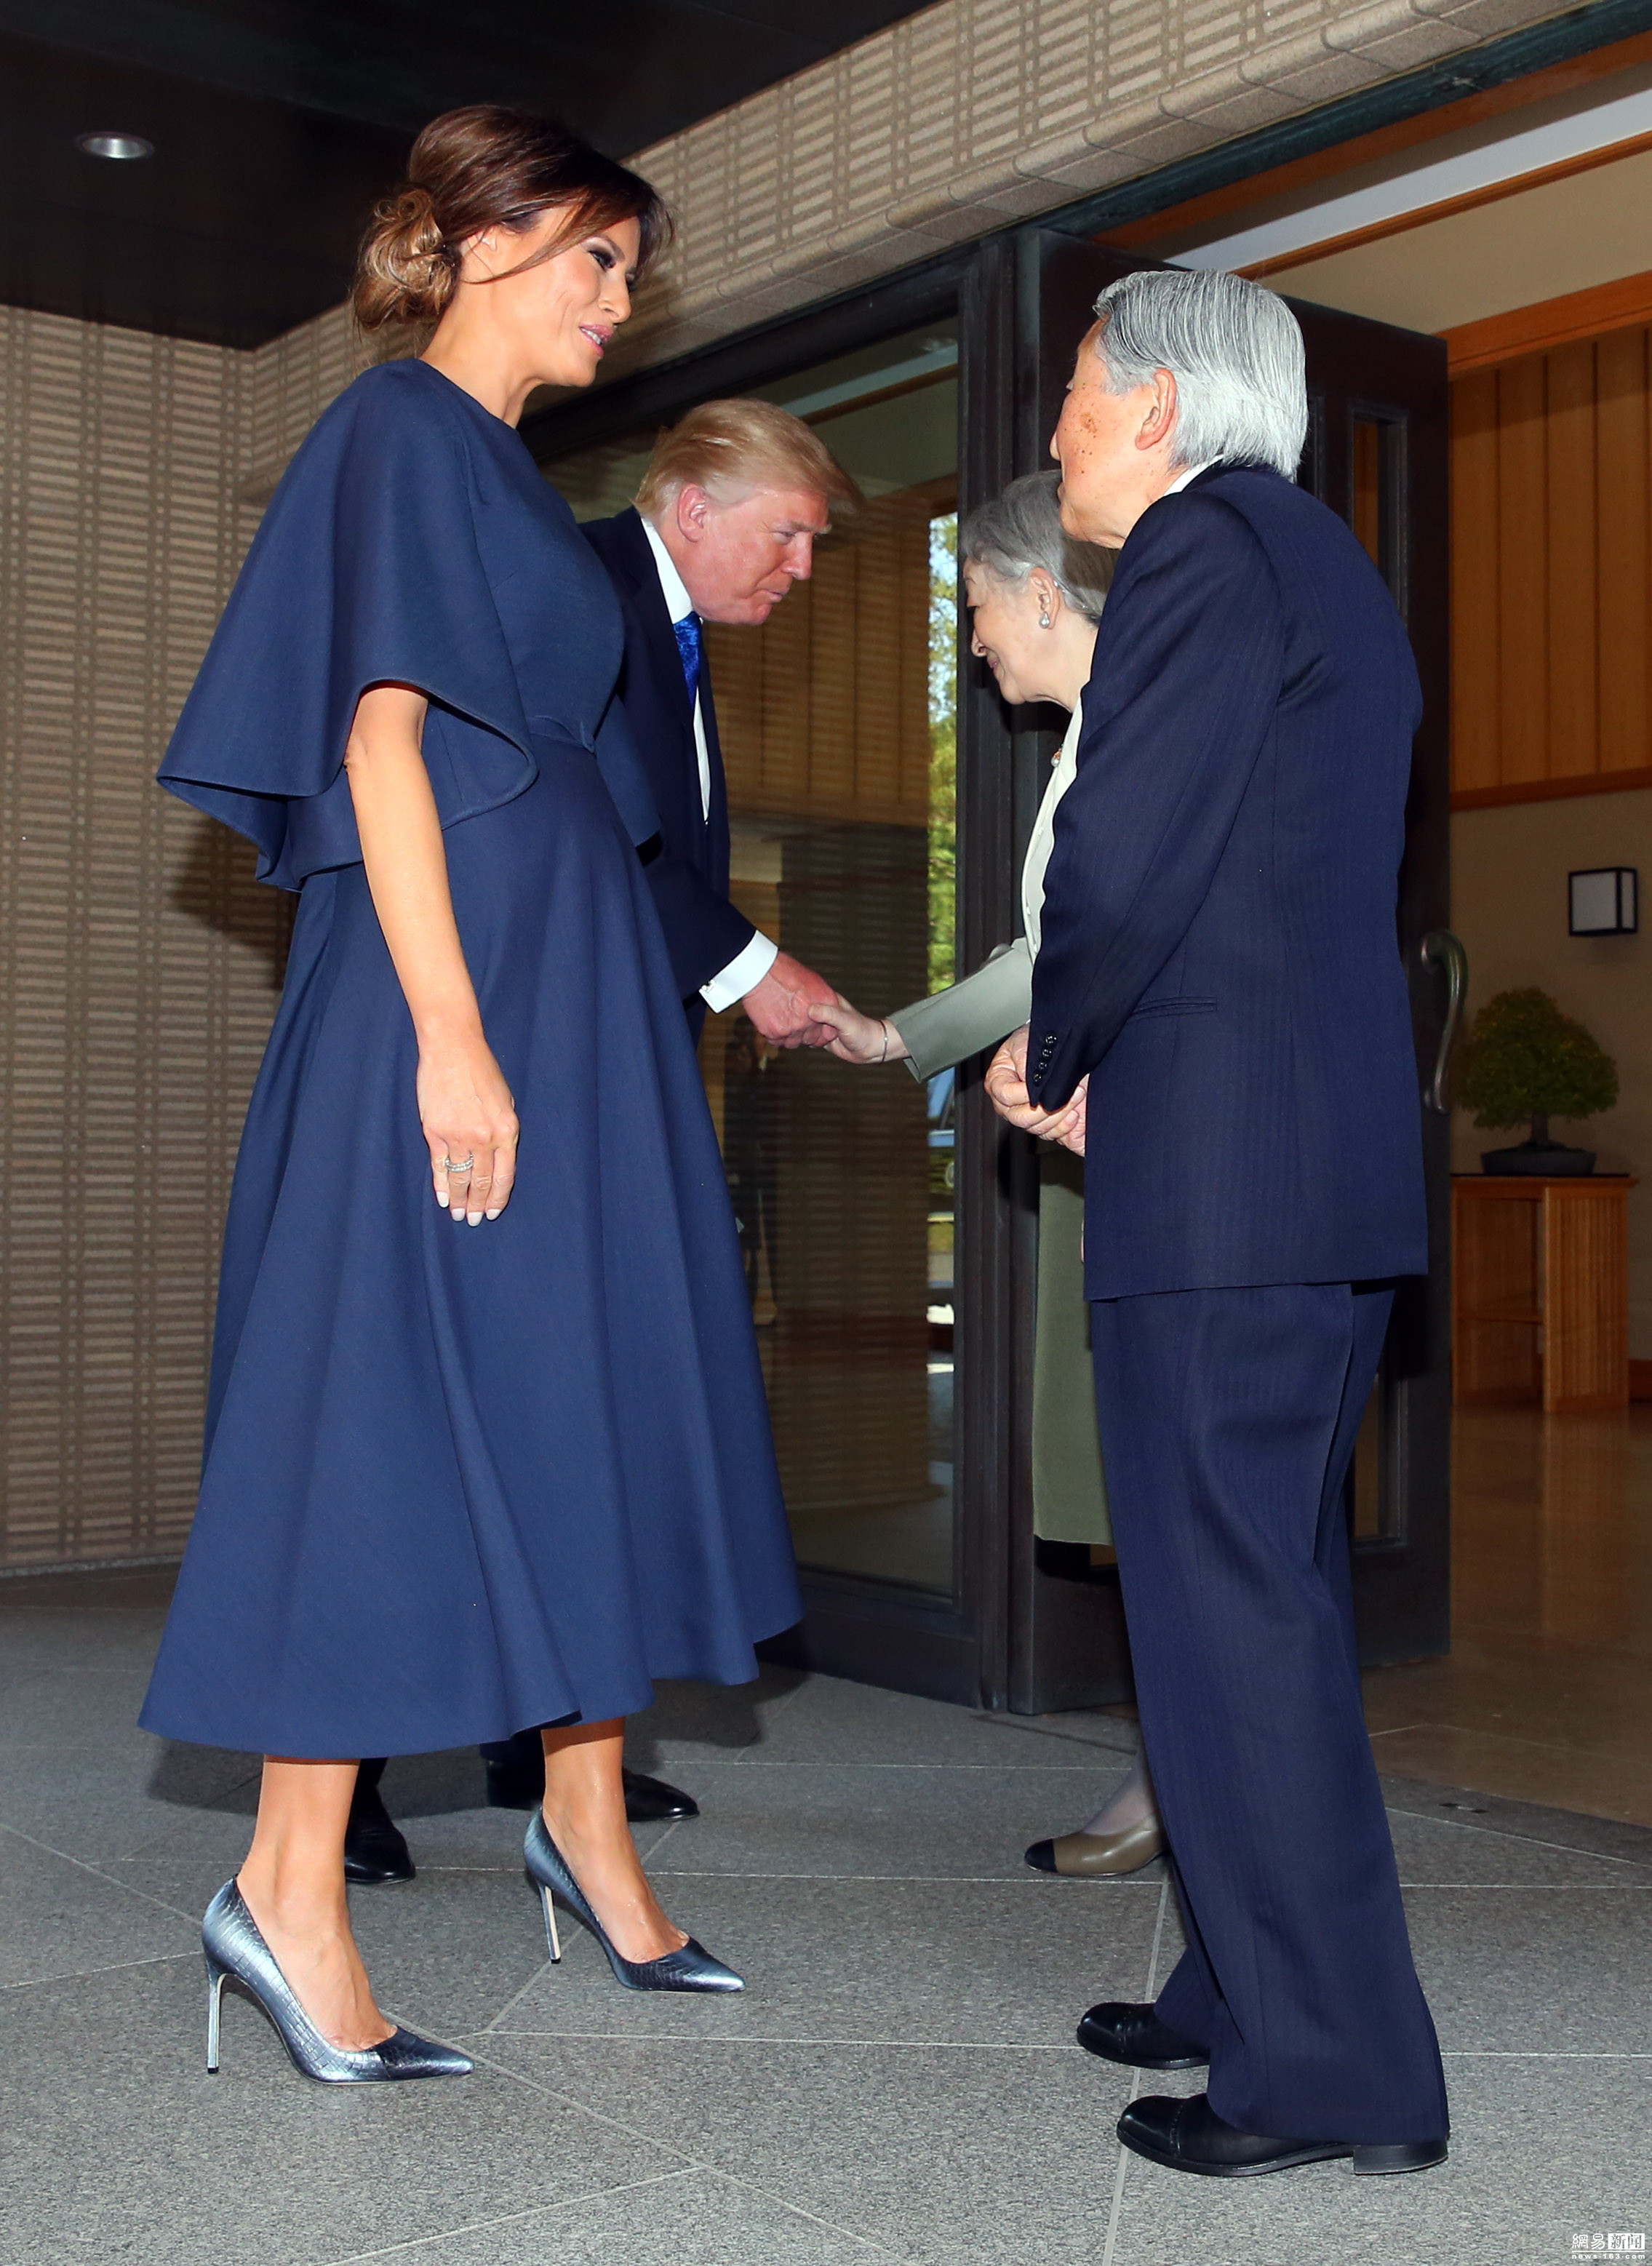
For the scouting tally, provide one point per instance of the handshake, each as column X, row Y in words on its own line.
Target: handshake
column 793, row 1007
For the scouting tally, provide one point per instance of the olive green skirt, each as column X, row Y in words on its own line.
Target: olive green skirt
column 1070, row 1496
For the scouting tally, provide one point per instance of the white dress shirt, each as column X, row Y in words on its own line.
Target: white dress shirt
column 1185, row 479
column 1043, row 838
column 750, row 966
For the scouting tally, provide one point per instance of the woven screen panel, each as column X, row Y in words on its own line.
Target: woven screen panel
column 139, row 962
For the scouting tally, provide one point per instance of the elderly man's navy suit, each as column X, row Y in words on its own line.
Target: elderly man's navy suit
column 1220, row 957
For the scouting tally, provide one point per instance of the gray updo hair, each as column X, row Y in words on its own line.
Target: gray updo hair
column 1021, row 529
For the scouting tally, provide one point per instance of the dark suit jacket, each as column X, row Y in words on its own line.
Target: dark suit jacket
column 1219, row 949
column 689, row 876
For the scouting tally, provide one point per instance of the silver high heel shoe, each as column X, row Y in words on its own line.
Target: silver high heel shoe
column 237, row 1954
column 691, row 1968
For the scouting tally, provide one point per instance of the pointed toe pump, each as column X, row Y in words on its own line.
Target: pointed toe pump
column 691, row 1968
column 237, row 1956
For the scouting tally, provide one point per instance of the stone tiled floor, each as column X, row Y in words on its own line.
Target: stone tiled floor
column 900, row 2080
column 1542, row 1697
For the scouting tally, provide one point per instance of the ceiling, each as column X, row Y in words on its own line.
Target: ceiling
column 1541, row 243
column 277, row 123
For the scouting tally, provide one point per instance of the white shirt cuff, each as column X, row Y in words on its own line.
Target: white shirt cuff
column 747, row 968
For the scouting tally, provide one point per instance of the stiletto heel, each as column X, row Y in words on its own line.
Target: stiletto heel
column 215, row 2009
column 692, row 1968
column 551, row 1936
column 237, row 1954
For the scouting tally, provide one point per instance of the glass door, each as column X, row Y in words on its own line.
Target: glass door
column 838, row 725
column 836, row 722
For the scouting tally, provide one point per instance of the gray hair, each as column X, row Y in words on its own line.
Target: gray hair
column 1234, row 350
column 1021, row 529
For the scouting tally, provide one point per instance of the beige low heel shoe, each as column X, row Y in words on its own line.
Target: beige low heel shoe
column 1087, row 1856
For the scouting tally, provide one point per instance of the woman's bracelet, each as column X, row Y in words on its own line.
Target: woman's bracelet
column 883, row 1025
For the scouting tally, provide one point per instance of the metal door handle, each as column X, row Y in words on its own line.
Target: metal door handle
column 1441, row 949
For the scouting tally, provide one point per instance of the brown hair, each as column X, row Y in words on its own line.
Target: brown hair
column 488, row 167
column 725, row 445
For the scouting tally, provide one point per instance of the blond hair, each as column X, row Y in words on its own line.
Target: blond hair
column 729, row 448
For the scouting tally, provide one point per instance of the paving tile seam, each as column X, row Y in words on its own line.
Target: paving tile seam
column 1120, row 2169
column 857, row 2045
column 690, row 2163
column 85, row 1974
column 1026, row 1727
column 515, row 1998
column 1039, row 1883
column 655, row 1848
column 1482, row 1732
column 779, row 1707
column 995, row 1770
column 1561, row 1888
column 798, row 2211
column 470, row 1872
column 507, row 2219
column 686, row 2159
column 98, row 1873
column 1531, row 1840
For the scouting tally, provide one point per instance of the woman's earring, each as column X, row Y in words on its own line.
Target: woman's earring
column 1044, row 621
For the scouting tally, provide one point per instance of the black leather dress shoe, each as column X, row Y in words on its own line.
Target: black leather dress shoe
column 1188, row 2136
column 374, row 1849
column 518, row 1783
column 1135, row 2037
column 651, row 1801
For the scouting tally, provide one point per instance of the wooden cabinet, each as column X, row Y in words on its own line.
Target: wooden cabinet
column 1540, row 1298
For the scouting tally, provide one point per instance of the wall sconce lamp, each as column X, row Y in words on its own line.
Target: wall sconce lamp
column 1604, row 902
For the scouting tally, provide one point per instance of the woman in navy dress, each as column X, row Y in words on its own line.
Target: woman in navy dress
column 500, row 1458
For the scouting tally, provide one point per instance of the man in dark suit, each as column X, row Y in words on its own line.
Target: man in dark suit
column 1219, row 963
column 725, row 522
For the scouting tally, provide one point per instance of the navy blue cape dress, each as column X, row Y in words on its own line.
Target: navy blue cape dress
column 459, row 1481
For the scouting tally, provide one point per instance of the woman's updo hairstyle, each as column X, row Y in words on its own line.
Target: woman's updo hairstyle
column 485, row 167
column 1021, row 529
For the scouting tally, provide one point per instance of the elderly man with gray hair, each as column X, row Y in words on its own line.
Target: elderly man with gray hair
column 1219, row 986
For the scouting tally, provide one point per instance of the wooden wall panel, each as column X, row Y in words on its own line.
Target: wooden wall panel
column 1552, row 570
column 1571, row 564
column 1522, row 572
column 1477, row 708
column 139, row 962
column 1625, row 547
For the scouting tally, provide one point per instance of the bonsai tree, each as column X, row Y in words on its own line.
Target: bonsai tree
column 1525, row 1060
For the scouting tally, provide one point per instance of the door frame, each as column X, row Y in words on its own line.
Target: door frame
column 1063, row 1641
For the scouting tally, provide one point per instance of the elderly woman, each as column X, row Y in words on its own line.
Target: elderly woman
column 1034, row 596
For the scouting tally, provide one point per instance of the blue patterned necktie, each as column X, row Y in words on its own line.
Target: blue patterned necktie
column 688, row 644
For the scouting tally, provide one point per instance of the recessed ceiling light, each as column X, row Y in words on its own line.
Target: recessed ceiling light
column 114, row 145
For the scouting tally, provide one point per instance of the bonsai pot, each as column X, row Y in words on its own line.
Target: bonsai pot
column 1549, row 1157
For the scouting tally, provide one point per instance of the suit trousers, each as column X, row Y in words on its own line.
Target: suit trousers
column 1228, row 1421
